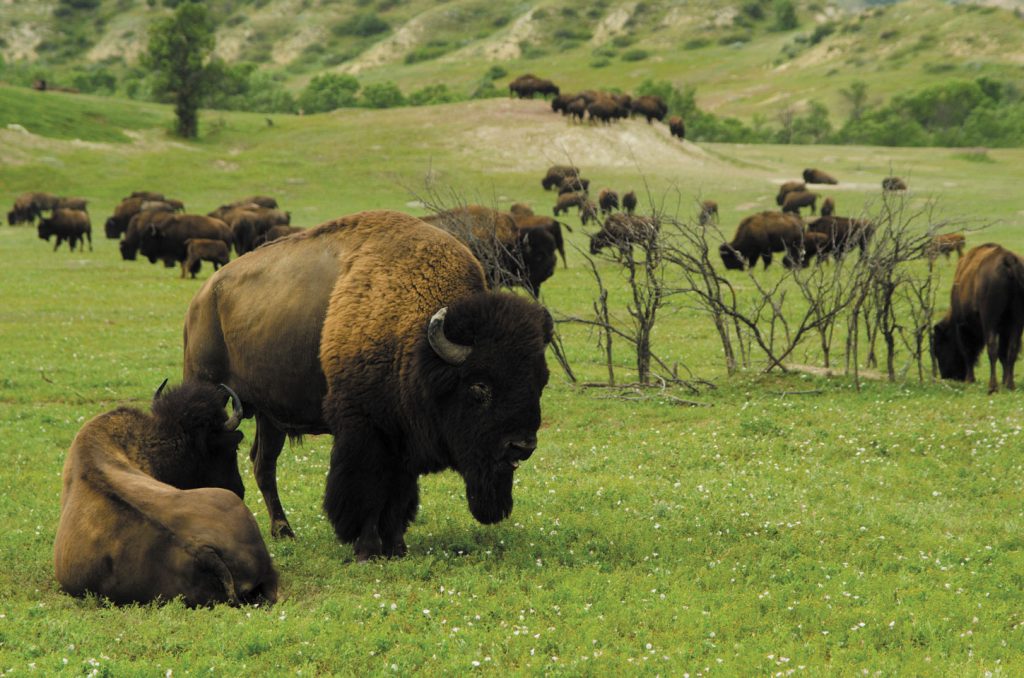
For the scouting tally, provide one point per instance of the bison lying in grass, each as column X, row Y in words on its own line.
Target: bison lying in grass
column 151, row 507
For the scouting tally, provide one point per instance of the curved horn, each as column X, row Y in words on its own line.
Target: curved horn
column 236, row 409
column 159, row 390
column 449, row 351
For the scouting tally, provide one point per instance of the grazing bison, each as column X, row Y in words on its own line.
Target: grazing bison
column 71, row 225
column 577, row 109
column 151, row 507
column 844, row 233
column 525, row 222
column 379, row 329
column 623, row 231
column 893, row 184
column 816, row 176
column 759, row 235
column 603, row 110
column 166, row 239
column 650, row 106
column 29, row 206
column 129, row 245
column 198, row 250
column 556, row 174
column 607, row 200
column 945, row 244
column 275, row 232
column 509, row 257
column 708, row 212
column 572, row 184
column 828, row 207
column 629, row 202
column 587, row 209
column 80, row 204
column 986, row 309
column 788, row 187
column 117, row 224
column 676, row 127
column 794, row 200
column 816, row 245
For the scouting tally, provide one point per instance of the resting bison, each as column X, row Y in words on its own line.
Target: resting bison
column 607, row 200
column 379, row 329
column 71, row 225
column 788, row 187
column 986, row 309
column 198, row 250
column 794, row 200
column 844, row 233
column 166, row 239
column 945, row 244
column 509, row 257
column 556, row 174
column 650, row 106
column 816, row 176
column 629, row 202
column 893, row 184
column 29, row 206
column 708, row 212
column 623, row 231
column 759, row 235
column 151, row 507
column 828, row 207
column 676, row 127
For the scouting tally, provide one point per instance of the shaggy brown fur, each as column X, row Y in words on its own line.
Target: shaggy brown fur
column 607, row 200
column 29, row 206
column 946, row 244
column 202, row 249
column 326, row 331
column 629, row 202
column 828, row 207
column 676, row 127
column 166, row 238
column 555, row 174
column 986, row 309
column 893, row 184
column 67, row 224
column 788, row 187
column 816, row 176
column 759, row 235
column 794, row 200
column 844, row 233
column 623, row 231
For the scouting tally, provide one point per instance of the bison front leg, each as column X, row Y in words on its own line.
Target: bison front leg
column 266, row 447
column 399, row 513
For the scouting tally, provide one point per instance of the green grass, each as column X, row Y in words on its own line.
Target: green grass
column 838, row 531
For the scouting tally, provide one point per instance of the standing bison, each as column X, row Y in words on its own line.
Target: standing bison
column 151, row 507
column 625, row 230
column 788, row 187
column 794, row 200
column 759, row 235
column 379, row 329
column 676, row 127
column 986, row 309
column 29, row 206
column 556, row 174
column 67, row 224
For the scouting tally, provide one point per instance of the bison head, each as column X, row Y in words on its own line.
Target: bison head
column 112, row 229
column 731, row 258
column 484, row 403
column 538, row 251
column 128, row 250
column 45, row 229
column 206, row 440
column 948, row 353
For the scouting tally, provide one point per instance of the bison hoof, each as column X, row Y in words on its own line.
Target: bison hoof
column 281, row 528
column 396, row 549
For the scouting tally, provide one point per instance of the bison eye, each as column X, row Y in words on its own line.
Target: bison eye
column 481, row 392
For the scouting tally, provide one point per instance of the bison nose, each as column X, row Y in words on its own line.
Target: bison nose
column 519, row 450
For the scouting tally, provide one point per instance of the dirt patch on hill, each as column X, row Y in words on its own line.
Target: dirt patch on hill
column 523, row 135
column 391, row 48
column 613, row 24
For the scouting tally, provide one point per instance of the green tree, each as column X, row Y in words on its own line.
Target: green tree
column 785, row 15
column 179, row 47
column 328, row 91
column 383, row 95
column 857, row 96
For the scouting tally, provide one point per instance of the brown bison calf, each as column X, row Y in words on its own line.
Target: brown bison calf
column 986, row 309
column 945, row 244
column 151, row 506
column 203, row 249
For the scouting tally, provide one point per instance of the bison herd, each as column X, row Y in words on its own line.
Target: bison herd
column 385, row 331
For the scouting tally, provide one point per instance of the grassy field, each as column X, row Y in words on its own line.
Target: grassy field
column 833, row 531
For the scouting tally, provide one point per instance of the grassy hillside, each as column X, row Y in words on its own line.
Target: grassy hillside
column 731, row 52
column 787, row 523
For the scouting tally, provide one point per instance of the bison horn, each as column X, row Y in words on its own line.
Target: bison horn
column 236, row 409
column 159, row 390
column 449, row 351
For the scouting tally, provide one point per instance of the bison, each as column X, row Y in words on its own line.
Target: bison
column 525, row 222
column 577, row 109
column 117, row 224
column 623, row 231
column 816, row 176
column 893, row 184
column 788, row 187
column 708, row 212
column 650, row 106
column 151, row 507
column 167, row 238
column 607, row 200
column 248, row 222
column 525, row 86
column 844, row 233
column 379, row 329
column 275, row 232
column 794, row 200
column 604, row 110
column 129, row 245
column 29, row 206
column 587, row 209
column 828, row 207
column 572, row 184
column 676, row 127
column 520, row 209
column 986, row 309
column 198, row 250
column 556, row 174
column 759, row 235
column 945, row 244
column 67, row 224
column 629, row 202
column 80, row 204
